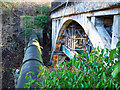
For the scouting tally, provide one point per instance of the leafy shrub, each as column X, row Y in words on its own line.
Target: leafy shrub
column 117, row 66
column 82, row 71
column 30, row 23
column 41, row 21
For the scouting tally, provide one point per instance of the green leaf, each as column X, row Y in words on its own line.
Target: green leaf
column 102, row 52
column 69, row 83
column 82, row 62
column 78, row 78
column 78, row 66
column 82, row 85
column 107, row 50
column 97, row 70
column 33, row 73
column 116, row 85
column 98, row 48
column 116, row 70
column 109, row 84
column 89, row 83
column 118, row 44
column 104, row 76
column 81, row 79
column 100, row 68
column 75, row 77
column 84, row 68
column 27, row 76
column 54, row 80
column 26, row 85
column 98, row 85
column 86, row 85
column 111, row 54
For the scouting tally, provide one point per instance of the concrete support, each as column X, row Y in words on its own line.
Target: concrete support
column 73, row 36
column 94, row 27
column 53, row 32
column 93, row 20
column 93, row 34
column 56, row 27
column 57, row 24
column 99, row 24
column 116, row 31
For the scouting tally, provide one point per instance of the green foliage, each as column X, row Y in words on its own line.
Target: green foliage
column 30, row 80
column 28, row 25
column 41, row 21
column 83, row 71
column 116, row 72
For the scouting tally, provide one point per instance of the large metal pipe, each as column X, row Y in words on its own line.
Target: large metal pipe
column 31, row 62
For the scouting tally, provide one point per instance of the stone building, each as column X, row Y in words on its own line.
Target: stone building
column 83, row 25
